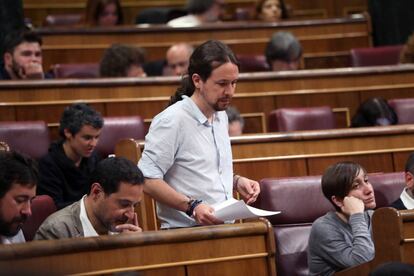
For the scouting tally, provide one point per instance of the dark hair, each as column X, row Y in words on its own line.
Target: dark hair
column 409, row 165
column 110, row 172
column 117, row 60
column 338, row 178
column 199, row 6
column 371, row 110
column 234, row 115
column 94, row 9
column 283, row 46
column 13, row 40
column 77, row 115
column 16, row 168
column 260, row 3
column 205, row 58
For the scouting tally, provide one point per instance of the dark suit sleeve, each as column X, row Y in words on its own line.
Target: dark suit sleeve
column 51, row 182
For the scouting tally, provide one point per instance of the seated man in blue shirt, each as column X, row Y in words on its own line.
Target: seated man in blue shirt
column 187, row 160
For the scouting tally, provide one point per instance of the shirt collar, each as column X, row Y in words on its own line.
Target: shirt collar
column 88, row 230
column 18, row 238
column 407, row 200
column 196, row 112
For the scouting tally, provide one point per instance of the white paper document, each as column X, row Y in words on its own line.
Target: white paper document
column 236, row 209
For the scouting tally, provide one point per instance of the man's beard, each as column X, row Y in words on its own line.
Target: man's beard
column 5, row 228
column 223, row 106
column 17, row 69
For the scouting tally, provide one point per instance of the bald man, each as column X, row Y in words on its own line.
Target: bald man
column 177, row 58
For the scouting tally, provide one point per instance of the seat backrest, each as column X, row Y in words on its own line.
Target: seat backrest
column 374, row 56
column 301, row 201
column 28, row 137
column 243, row 14
column 301, row 118
column 158, row 15
column 117, row 128
column 252, row 63
column 42, row 207
column 76, row 70
column 59, row 20
column 387, row 187
column 404, row 108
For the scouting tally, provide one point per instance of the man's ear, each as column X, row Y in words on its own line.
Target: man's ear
column 338, row 201
column 409, row 180
column 8, row 58
column 196, row 80
column 96, row 190
column 67, row 133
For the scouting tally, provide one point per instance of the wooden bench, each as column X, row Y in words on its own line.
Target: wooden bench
column 393, row 234
column 326, row 42
column 256, row 94
column 377, row 149
column 231, row 249
column 37, row 10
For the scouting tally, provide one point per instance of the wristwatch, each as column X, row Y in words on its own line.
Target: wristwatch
column 192, row 204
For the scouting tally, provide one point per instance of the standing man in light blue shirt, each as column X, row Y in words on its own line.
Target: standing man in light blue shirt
column 187, row 160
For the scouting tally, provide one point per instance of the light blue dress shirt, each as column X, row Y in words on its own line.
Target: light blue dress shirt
column 191, row 154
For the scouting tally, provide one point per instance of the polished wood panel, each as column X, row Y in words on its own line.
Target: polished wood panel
column 256, row 94
column 38, row 10
column 393, row 235
column 197, row 251
column 301, row 153
column 326, row 40
column 378, row 149
column 331, row 8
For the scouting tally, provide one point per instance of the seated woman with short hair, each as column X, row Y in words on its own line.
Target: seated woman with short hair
column 342, row 238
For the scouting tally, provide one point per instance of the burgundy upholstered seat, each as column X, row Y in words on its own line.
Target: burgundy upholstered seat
column 42, row 207
column 76, row 70
column 374, row 56
column 28, row 137
column 117, row 128
column 301, row 201
column 301, row 118
column 387, row 186
column 252, row 63
column 404, row 108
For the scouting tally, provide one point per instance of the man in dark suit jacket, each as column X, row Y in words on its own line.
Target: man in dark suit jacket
column 406, row 200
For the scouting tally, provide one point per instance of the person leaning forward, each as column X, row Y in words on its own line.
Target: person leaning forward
column 109, row 207
column 187, row 160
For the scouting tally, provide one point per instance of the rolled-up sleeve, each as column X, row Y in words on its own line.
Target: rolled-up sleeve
column 161, row 144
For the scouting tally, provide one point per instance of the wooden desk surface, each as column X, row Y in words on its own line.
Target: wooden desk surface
column 225, row 249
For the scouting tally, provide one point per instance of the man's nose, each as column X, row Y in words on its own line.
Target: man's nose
column 27, row 209
column 93, row 142
column 177, row 70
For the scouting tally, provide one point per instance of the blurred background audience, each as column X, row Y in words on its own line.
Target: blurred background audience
column 283, row 52
column 103, row 13
column 122, row 61
column 374, row 112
